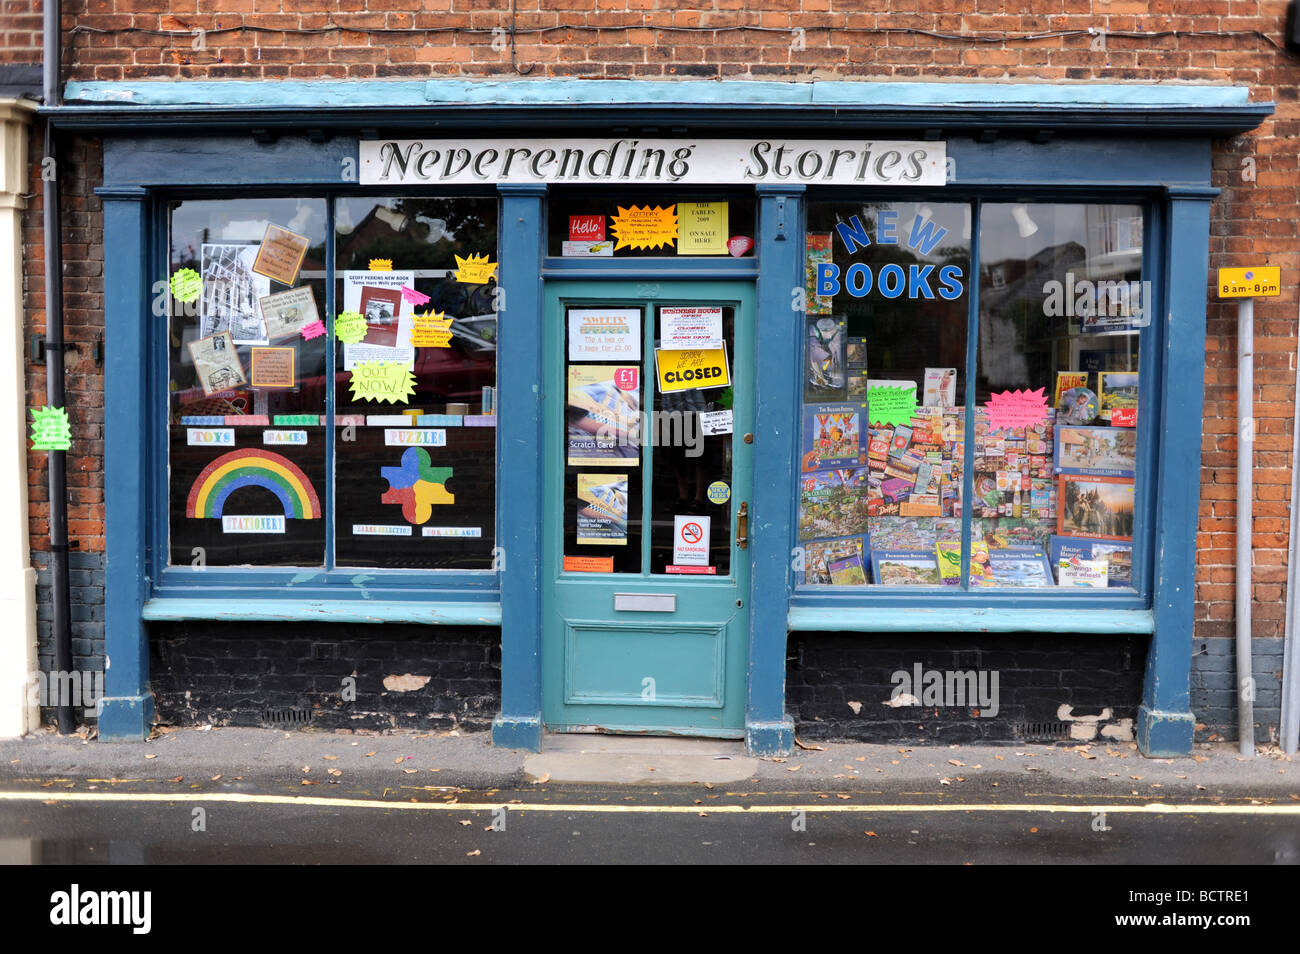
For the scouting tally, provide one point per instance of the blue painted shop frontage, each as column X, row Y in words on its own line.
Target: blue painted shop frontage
column 718, row 409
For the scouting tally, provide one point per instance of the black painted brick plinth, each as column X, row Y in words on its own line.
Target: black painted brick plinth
column 232, row 673
column 1037, row 673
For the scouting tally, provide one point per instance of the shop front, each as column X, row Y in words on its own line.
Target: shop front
column 652, row 376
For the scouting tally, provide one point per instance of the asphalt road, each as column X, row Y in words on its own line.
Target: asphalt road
column 597, row 825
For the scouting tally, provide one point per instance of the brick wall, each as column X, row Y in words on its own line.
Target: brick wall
column 234, row 674
column 1215, row 41
column 837, row 685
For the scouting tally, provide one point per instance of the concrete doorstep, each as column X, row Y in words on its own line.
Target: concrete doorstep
column 636, row 760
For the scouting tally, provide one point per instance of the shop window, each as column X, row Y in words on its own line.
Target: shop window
column 373, row 428
column 649, row 223
column 884, row 485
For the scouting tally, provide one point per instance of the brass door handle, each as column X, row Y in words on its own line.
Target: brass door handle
column 742, row 525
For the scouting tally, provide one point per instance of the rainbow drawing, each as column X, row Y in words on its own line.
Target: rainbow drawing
column 253, row 467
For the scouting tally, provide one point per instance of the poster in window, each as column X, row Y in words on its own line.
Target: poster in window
column 819, row 554
column 604, row 334
column 280, row 255
column 1095, row 507
column 825, row 376
column 905, row 567
column 603, row 419
column 377, row 296
column 216, row 363
column 818, row 252
column 703, row 228
column 1100, row 451
column 1117, row 556
column 833, row 503
column 1117, row 396
column 602, row 510
column 231, row 291
column 833, row 435
column 288, row 312
column 273, row 367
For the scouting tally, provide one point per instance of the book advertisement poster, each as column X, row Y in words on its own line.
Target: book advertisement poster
column 378, row 297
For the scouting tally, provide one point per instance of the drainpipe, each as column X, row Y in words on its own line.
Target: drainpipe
column 1245, row 498
column 61, row 626
column 1290, row 722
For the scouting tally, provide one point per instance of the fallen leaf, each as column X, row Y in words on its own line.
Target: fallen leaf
column 810, row 748
column 466, row 821
column 840, row 795
column 178, row 778
column 306, row 769
column 409, row 771
column 945, row 781
column 1033, row 831
column 871, row 834
column 957, row 762
column 151, row 755
column 793, row 768
column 308, row 781
column 330, row 758
column 368, row 754
column 215, row 778
column 399, row 760
column 856, row 707
column 860, row 758
column 473, row 854
column 544, row 778
column 999, row 758
column 708, row 784
column 335, row 772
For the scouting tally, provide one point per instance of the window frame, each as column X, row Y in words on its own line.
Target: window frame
column 831, row 597
column 297, row 583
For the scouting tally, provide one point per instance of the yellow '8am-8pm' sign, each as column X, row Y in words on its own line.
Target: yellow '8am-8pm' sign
column 1256, row 282
column 683, row 370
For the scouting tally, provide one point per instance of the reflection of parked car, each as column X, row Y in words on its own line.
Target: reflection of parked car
column 458, row 372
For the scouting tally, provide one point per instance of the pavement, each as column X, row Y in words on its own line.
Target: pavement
column 264, row 796
column 327, row 763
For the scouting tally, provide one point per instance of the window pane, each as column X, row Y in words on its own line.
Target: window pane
column 648, row 223
column 246, row 389
column 416, row 475
column 1062, row 304
column 884, row 370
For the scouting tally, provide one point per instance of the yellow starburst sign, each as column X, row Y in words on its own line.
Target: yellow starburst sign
column 381, row 265
column 431, row 331
column 645, row 227
column 475, row 270
column 382, row 381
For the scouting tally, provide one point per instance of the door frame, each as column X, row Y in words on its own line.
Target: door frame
column 559, row 629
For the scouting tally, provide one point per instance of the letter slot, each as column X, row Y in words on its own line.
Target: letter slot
column 645, row 602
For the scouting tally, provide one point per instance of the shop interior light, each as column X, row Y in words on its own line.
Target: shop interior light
column 343, row 223
column 1024, row 224
column 301, row 217
column 965, row 222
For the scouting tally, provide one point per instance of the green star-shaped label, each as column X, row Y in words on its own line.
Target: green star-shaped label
column 50, row 429
column 350, row 327
column 186, row 285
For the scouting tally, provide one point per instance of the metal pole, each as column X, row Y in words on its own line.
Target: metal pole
column 1245, row 497
column 1289, row 729
column 61, row 625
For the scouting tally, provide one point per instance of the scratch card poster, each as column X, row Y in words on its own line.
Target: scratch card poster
column 602, row 420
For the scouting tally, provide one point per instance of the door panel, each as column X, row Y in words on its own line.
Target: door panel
column 646, row 588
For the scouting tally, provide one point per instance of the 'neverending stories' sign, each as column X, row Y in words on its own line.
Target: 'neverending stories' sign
column 704, row 162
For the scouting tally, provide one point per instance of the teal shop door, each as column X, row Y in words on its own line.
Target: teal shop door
column 646, row 568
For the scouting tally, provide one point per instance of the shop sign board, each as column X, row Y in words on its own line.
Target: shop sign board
column 653, row 161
